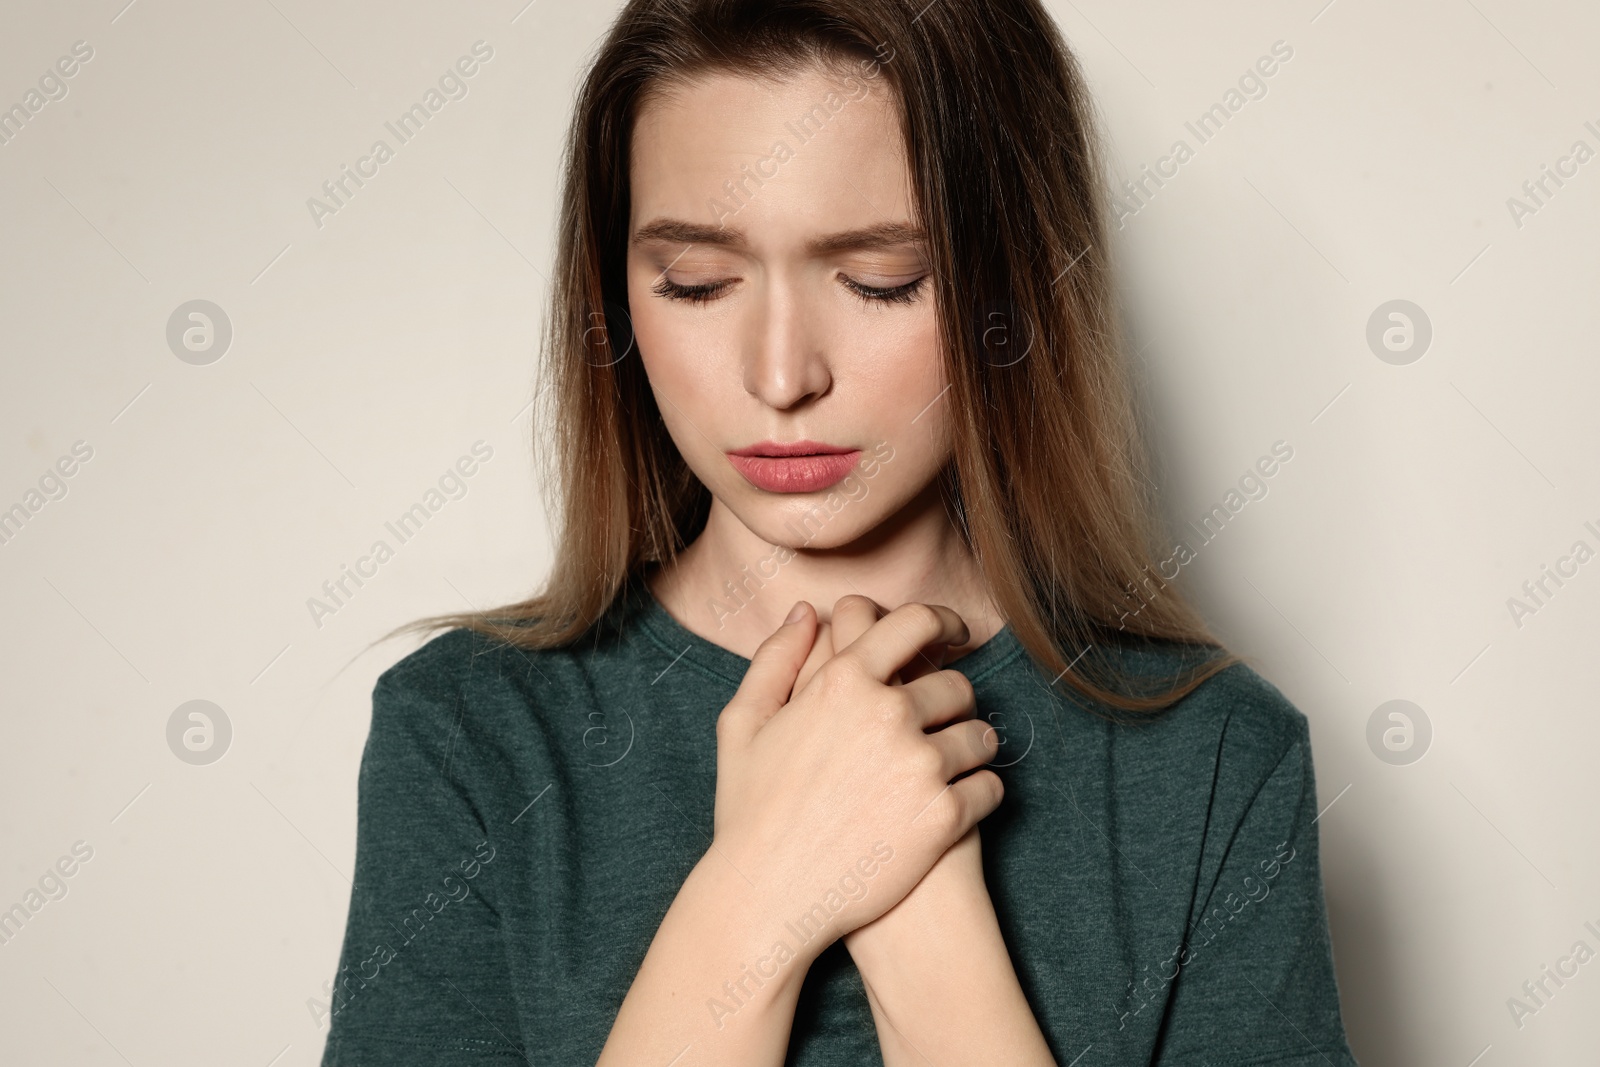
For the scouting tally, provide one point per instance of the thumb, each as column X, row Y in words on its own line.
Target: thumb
column 769, row 681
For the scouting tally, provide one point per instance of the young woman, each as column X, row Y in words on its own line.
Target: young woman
column 833, row 330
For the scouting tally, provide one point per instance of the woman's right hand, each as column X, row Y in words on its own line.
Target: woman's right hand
column 818, row 787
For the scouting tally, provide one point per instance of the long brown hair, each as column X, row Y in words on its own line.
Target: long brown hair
column 1047, row 483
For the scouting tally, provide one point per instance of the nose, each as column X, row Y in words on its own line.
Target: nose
column 786, row 362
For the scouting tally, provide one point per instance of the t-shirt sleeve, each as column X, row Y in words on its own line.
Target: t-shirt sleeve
column 1254, row 984
column 423, row 979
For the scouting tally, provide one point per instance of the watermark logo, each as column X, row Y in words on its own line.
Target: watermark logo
column 337, row 592
column 337, row 992
column 1537, row 592
column 52, row 485
column 199, row 732
column 1257, row 887
column 608, row 339
column 741, row 592
column 1538, row 190
column 1399, row 332
column 453, row 84
column 814, row 922
column 1537, row 993
column 605, row 746
column 1398, row 732
column 738, row 191
column 1130, row 197
column 996, row 722
column 1004, row 337
column 1252, row 485
column 199, row 332
column 50, row 887
column 52, row 87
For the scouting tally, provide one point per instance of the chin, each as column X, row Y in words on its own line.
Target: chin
column 813, row 521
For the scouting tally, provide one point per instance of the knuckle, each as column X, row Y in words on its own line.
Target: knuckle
column 997, row 788
column 894, row 707
column 850, row 600
column 962, row 686
column 838, row 676
column 982, row 740
column 986, row 797
column 947, row 812
column 928, row 762
column 922, row 618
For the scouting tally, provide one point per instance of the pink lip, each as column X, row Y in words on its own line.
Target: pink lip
column 796, row 467
column 792, row 448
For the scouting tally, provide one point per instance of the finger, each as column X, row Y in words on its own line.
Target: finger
column 933, row 658
column 979, row 794
column 900, row 636
column 821, row 652
column 853, row 615
column 965, row 745
column 940, row 698
column 769, row 681
column 965, row 802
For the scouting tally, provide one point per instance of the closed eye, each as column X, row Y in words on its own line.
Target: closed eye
column 870, row 294
column 896, row 294
column 695, row 294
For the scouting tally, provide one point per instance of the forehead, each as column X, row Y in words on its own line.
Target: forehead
column 785, row 156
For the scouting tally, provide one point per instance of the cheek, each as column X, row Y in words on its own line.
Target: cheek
column 678, row 327
column 683, row 366
column 664, row 335
column 903, row 350
column 681, row 357
column 902, row 378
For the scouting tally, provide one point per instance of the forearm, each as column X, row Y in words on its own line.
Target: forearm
column 942, row 986
column 710, row 984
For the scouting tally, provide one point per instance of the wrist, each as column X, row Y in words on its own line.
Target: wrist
column 754, row 923
column 933, row 927
column 710, row 978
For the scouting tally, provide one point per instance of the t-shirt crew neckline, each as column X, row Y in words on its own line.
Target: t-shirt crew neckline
column 678, row 640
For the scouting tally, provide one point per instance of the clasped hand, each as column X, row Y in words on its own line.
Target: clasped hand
column 848, row 743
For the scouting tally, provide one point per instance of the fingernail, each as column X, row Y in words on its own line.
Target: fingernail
column 796, row 612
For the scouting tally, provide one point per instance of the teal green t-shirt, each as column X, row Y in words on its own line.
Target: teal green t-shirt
column 526, row 818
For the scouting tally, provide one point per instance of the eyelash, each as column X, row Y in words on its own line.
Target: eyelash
column 699, row 294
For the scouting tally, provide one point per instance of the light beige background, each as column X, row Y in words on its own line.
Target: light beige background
column 372, row 351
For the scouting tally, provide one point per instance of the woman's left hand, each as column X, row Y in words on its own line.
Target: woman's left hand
column 951, row 886
column 935, row 966
column 955, row 881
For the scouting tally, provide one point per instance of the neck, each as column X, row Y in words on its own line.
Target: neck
column 733, row 587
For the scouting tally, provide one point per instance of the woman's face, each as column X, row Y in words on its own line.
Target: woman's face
column 781, row 294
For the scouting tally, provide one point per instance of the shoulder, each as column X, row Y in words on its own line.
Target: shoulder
column 464, row 663
column 1236, row 718
column 1252, row 713
column 463, row 687
column 1231, row 758
column 461, row 683
column 418, row 700
column 438, row 668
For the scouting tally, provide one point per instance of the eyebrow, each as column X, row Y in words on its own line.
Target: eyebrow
column 867, row 238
